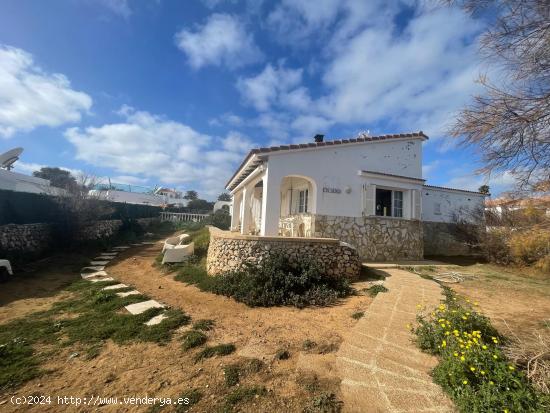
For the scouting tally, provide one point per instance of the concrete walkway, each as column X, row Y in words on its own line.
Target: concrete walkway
column 382, row 370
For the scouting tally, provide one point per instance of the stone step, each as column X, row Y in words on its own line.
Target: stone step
column 99, row 262
column 98, row 279
column 92, row 268
column 87, row 275
column 143, row 306
column 127, row 293
column 115, row 287
column 156, row 319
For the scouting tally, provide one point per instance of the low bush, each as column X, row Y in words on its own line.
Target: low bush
column 280, row 282
column 531, row 246
column 375, row 289
column 231, row 375
column 219, row 350
column 473, row 370
column 358, row 315
column 244, row 394
column 204, row 325
column 193, row 339
column 324, row 403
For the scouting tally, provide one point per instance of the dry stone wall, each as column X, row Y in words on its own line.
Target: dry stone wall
column 26, row 238
column 375, row 238
column 230, row 251
column 100, row 230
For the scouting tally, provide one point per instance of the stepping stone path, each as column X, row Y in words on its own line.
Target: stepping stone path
column 156, row 320
column 99, row 262
column 139, row 308
column 95, row 272
column 127, row 293
column 115, row 287
column 381, row 369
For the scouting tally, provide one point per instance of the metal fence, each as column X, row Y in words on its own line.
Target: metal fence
column 181, row 217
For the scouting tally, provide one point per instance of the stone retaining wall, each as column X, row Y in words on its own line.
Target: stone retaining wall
column 441, row 238
column 229, row 251
column 27, row 238
column 375, row 238
column 100, row 230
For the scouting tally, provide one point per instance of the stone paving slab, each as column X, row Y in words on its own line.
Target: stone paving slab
column 381, row 368
column 127, row 293
column 156, row 320
column 115, row 287
column 103, row 262
column 87, row 275
column 121, row 248
column 92, row 268
column 139, row 308
column 98, row 279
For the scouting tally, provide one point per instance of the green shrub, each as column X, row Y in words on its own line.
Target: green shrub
column 358, row 315
column 375, row 289
column 192, row 397
column 192, row 339
column 279, row 282
column 219, row 350
column 245, row 394
column 282, row 354
column 473, row 370
column 528, row 247
column 231, row 375
column 204, row 325
column 324, row 403
column 220, row 219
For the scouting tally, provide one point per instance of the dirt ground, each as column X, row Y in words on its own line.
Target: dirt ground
column 143, row 369
column 516, row 299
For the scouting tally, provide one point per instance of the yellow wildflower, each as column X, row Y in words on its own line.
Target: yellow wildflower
column 512, row 368
column 472, row 368
column 465, row 382
column 462, row 358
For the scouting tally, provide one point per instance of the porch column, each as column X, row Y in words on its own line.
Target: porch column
column 246, row 209
column 236, row 212
column 271, row 204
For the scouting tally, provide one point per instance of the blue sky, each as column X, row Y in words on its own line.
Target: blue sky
column 176, row 92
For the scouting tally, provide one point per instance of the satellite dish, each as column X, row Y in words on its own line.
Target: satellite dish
column 7, row 159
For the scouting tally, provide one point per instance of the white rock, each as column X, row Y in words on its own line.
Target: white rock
column 156, row 320
column 127, row 293
column 139, row 308
column 115, row 287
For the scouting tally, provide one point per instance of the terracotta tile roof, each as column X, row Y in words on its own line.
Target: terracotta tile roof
column 360, row 138
column 454, row 189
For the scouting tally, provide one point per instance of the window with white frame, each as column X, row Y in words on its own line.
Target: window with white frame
column 389, row 203
column 302, row 201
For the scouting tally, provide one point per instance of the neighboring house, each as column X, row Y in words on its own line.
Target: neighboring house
column 135, row 194
column 367, row 191
column 172, row 197
column 15, row 181
column 505, row 204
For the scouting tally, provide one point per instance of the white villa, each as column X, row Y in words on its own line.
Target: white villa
column 368, row 191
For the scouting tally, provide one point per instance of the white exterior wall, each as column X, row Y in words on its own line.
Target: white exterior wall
column 451, row 203
column 14, row 181
column 338, row 167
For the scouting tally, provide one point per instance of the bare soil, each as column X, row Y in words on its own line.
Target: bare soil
column 142, row 369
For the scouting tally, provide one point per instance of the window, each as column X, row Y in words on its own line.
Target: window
column 302, row 201
column 389, row 203
column 398, row 204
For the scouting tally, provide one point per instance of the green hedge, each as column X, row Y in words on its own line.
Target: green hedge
column 28, row 208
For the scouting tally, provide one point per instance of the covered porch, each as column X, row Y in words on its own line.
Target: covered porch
column 291, row 212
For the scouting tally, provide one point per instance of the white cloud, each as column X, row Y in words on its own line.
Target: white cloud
column 226, row 119
column 120, row 7
column 467, row 180
column 222, row 40
column 161, row 150
column 126, row 179
column 30, row 97
column 266, row 88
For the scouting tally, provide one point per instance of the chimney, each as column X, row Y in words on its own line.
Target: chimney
column 318, row 138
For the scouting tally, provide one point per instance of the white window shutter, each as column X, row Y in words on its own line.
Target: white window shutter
column 368, row 199
column 417, row 206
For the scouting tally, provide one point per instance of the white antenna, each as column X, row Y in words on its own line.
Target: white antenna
column 7, row 159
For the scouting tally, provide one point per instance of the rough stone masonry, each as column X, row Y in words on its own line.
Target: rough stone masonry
column 230, row 251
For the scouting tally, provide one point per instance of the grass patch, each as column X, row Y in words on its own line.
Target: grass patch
column 204, row 325
column 219, row 350
column 193, row 339
column 358, row 315
column 94, row 319
column 231, row 375
column 375, row 289
column 473, row 369
column 308, row 345
column 324, row 403
column 190, row 398
column 282, row 354
column 244, row 394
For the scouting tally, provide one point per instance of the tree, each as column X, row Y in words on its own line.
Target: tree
column 58, row 178
column 510, row 121
column 200, row 205
column 191, row 195
column 484, row 189
column 224, row 196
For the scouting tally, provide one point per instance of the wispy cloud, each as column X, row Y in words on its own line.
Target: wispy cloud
column 30, row 97
column 222, row 40
column 160, row 150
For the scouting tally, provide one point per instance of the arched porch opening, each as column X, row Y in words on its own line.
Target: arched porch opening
column 298, row 204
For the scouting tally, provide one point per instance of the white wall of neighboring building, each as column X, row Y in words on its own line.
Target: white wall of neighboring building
column 14, row 181
column 442, row 205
